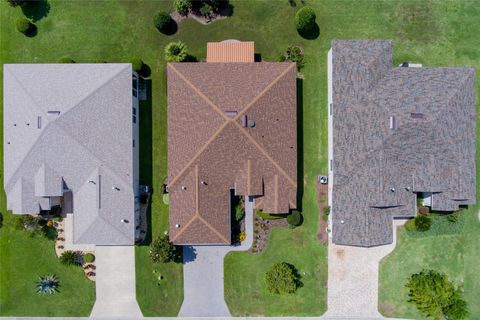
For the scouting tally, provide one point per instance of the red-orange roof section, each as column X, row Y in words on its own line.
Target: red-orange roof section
column 231, row 51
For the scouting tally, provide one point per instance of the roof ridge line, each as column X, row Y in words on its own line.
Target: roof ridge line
column 195, row 216
column 199, row 93
column 265, row 153
column 262, row 93
column 212, row 228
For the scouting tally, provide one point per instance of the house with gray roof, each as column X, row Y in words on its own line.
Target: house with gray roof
column 396, row 133
column 70, row 139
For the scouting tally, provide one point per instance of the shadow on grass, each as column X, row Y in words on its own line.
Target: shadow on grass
column 32, row 31
column 300, row 184
column 146, row 71
column 146, row 156
column 36, row 10
column 169, row 29
column 311, row 34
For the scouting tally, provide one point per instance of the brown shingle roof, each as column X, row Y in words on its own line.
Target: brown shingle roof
column 210, row 152
column 231, row 51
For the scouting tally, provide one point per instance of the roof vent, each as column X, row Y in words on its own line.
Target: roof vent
column 184, row 188
column 203, row 182
column 342, row 221
column 115, row 188
column 251, row 123
column 124, row 220
column 392, row 122
column 392, row 189
column 417, row 115
column 91, row 181
column 39, row 122
column 53, row 113
column 407, row 188
column 177, row 226
column 244, row 121
column 231, row 114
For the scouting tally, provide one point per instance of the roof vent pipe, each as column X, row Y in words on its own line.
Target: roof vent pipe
column 392, row 189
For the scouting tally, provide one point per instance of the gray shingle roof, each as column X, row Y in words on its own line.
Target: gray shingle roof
column 69, row 127
column 377, row 169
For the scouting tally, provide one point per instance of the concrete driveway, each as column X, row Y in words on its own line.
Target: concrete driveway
column 203, row 274
column 353, row 279
column 115, row 283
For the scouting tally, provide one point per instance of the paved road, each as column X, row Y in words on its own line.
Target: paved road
column 115, row 283
column 203, row 275
column 353, row 279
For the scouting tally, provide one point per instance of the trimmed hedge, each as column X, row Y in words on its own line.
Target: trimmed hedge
column 295, row 218
column 441, row 224
column 137, row 64
column 163, row 22
column 305, row 19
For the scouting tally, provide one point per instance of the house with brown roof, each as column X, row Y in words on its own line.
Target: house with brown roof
column 231, row 126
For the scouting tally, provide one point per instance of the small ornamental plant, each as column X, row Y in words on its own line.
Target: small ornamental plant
column 47, row 285
column 176, row 52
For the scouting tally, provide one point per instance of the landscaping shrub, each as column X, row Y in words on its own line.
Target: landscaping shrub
column 239, row 212
column 162, row 250
column 206, row 10
column 410, row 225
column 295, row 218
column 422, row 223
column 70, row 258
column 305, row 19
column 282, row 278
column 436, row 296
column 25, row 26
column 88, row 257
column 47, row 285
column 137, row 64
column 164, row 23
column 295, row 54
column 182, row 6
column 176, row 52
column 66, row 60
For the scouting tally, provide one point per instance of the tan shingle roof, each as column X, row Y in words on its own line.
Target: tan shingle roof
column 211, row 152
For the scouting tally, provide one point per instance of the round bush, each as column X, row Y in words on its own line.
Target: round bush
column 24, row 25
column 66, row 60
column 176, row 52
column 88, row 257
column 294, row 219
column 281, row 279
column 305, row 19
column 137, row 64
column 422, row 223
column 163, row 22
column 182, row 6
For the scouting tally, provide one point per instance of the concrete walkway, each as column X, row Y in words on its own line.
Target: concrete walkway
column 203, row 275
column 115, row 283
column 353, row 279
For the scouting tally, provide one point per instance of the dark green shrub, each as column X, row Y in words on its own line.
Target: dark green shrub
column 282, row 278
column 176, row 52
column 410, row 225
column 137, row 64
column 66, row 60
column 70, row 258
column 182, row 6
column 24, row 26
column 162, row 250
column 422, row 223
column 88, row 257
column 206, row 10
column 295, row 54
column 295, row 218
column 305, row 19
column 163, row 22
column 435, row 296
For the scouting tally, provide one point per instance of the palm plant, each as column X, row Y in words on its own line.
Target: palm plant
column 47, row 285
column 176, row 52
column 69, row 258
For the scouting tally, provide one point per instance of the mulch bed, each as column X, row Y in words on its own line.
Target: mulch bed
column 322, row 200
column 261, row 232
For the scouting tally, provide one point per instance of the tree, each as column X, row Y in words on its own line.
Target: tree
column 295, row 54
column 305, row 19
column 48, row 285
column 422, row 223
column 25, row 26
column 70, row 258
column 295, row 218
column 176, row 52
column 162, row 250
column 182, row 6
column 15, row 3
column 281, row 278
column 435, row 296
column 163, row 22
column 206, row 10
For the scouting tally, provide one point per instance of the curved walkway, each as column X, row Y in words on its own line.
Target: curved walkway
column 353, row 279
column 203, row 274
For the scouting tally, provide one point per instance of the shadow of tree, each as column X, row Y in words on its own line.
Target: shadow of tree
column 170, row 29
column 36, row 10
column 32, row 31
column 299, row 144
column 296, row 274
column 189, row 254
column 146, row 71
column 311, row 34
